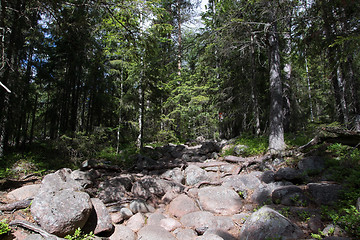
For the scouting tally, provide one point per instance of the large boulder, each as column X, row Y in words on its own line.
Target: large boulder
column 247, row 182
column 60, row 180
column 266, row 223
column 199, row 219
column 99, row 221
column 289, row 174
column 152, row 232
column 114, row 189
column 324, row 193
column 290, row 196
column 182, row 205
column 195, row 174
column 311, row 165
column 220, row 200
column 61, row 212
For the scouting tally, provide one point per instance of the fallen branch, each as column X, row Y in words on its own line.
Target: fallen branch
column 35, row 228
column 16, row 205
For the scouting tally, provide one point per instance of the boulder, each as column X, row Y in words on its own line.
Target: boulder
column 266, row 223
column 114, row 189
column 61, row 212
column 99, row 221
column 312, row 165
column 324, row 193
column 122, row 233
column 289, row 174
column 28, row 191
column 154, row 233
column 224, row 235
column 240, row 149
column 155, row 219
column 182, row 205
column 267, row 176
column 198, row 219
column 84, row 178
column 60, row 180
column 141, row 206
column 220, row 200
column 169, row 224
column 289, row 196
column 175, row 174
column 136, row 222
column 247, row 182
column 185, row 234
column 209, row 147
column 195, row 174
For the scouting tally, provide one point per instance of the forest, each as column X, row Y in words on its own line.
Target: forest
column 127, row 73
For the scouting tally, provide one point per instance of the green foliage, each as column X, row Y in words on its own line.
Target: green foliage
column 78, row 235
column 4, row 227
column 256, row 145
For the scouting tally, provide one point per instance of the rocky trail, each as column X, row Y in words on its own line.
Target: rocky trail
column 177, row 192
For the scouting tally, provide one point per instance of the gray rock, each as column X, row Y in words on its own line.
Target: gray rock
column 136, row 222
column 289, row 174
column 61, row 212
column 114, row 189
column 240, row 149
column 169, row 224
column 155, row 218
column 28, row 191
column 262, row 194
column 119, row 216
column 269, row 224
column 99, row 221
column 289, row 196
column 267, row 176
column 141, row 206
column 324, row 193
column 175, row 174
column 154, row 233
column 315, row 224
column 209, row 236
column 220, row 200
column 209, row 147
column 122, row 233
column 34, row 237
column 220, row 233
column 60, row 180
column 185, row 234
column 223, row 223
column 240, row 218
column 194, row 175
column 199, row 219
column 247, row 182
column 182, row 205
column 84, row 178
column 311, row 165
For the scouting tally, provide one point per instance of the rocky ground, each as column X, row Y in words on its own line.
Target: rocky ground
column 177, row 192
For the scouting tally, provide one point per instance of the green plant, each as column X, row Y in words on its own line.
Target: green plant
column 4, row 227
column 285, row 211
column 304, row 215
column 78, row 235
column 317, row 236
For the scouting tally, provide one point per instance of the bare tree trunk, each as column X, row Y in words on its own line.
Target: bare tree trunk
column 179, row 37
column 276, row 137
column 309, row 89
column 254, row 95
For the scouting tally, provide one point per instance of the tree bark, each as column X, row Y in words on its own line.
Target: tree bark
column 276, row 137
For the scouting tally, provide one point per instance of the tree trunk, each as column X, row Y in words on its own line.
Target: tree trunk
column 179, row 37
column 276, row 137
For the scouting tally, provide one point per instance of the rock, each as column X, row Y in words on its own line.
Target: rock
column 240, row 218
column 141, row 206
column 336, row 238
column 240, row 149
column 84, row 178
column 185, row 234
column 289, row 196
column 311, row 165
column 155, row 218
column 247, row 182
column 34, row 237
column 219, row 233
column 28, row 191
column 198, row 219
column 136, row 222
column 332, row 229
column 154, row 233
column 194, row 175
column 223, row 223
column 61, row 212
column 324, row 193
column 269, row 224
column 175, row 174
column 60, row 180
column 169, row 224
column 267, row 176
column 289, row 174
column 122, row 233
column 182, row 205
column 209, row 147
column 220, row 200
column 209, row 237
column 153, row 189
column 315, row 224
column 114, row 189
column 99, row 221
column 123, row 214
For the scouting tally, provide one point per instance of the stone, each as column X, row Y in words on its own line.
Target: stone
column 60, row 180
column 289, row 196
column 198, row 219
column 266, row 223
column 185, row 234
column 324, row 193
column 240, row 218
column 209, row 147
column 240, row 149
column 194, row 175
column 315, row 224
column 182, row 205
column 175, row 174
column 154, row 233
column 169, row 224
column 34, row 237
column 61, row 212
column 224, row 223
column 122, row 233
column 114, row 189
column 267, row 176
column 141, row 206
column 220, row 200
column 247, row 182
column 209, row 237
column 219, row 233
column 25, row 192
column 155, row 218
column 99, row 221
column 312, row 165
column 136, row 222
column 84, row 178
column 289, row 174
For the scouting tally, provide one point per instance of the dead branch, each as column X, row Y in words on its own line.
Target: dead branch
column 35, row 228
